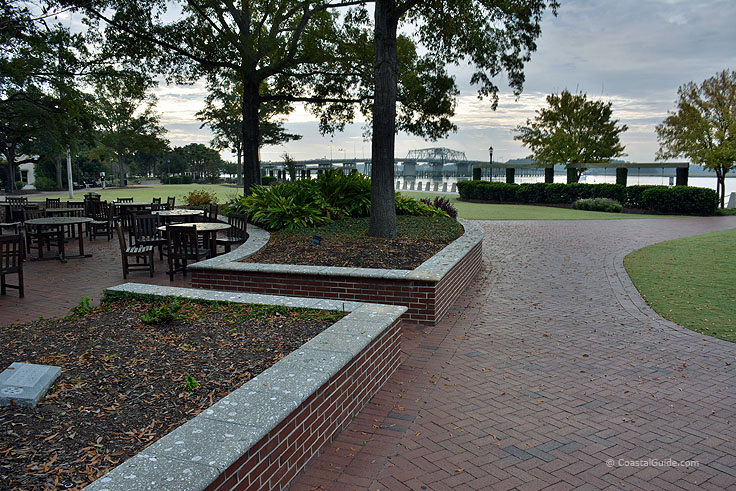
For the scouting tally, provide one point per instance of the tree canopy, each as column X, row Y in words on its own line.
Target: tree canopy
column 572, row 130
column 703, row 126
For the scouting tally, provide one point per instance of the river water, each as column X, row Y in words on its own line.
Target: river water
column 702, row 182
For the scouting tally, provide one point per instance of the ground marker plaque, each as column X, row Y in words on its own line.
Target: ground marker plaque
column 26, row 383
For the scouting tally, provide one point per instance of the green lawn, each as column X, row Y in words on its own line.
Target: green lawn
column 224, row 193
column 690, row 281
column 484, row 211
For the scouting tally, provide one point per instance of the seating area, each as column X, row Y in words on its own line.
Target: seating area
column 56, row 229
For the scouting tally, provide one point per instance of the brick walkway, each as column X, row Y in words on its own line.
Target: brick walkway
column 550, row 366
column 52, row 287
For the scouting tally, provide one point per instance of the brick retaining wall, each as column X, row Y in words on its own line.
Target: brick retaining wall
column 264, row 433
column 427, row 291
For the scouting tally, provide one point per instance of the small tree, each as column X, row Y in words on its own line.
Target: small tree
column 703, row 128
column 290, row 165
column 572, row 130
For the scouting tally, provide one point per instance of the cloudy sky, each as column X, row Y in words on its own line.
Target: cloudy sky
column 635, row 53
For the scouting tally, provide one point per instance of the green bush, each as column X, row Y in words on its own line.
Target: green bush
column 633, row 195
column 410, row 206
column 286, row 206
column 45, row 184
column 19, row 184
column 598, row 204
column 200, row 197
column 351, row 194
column 268, row 180
column 680, row 199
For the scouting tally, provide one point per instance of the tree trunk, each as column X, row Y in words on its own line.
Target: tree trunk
column 721, row 186
column 239, row 171
column 57, row 164
column 10, row 157
column 383, row 208
column 251, row 164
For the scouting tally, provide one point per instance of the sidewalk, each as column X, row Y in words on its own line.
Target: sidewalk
column 551, row 373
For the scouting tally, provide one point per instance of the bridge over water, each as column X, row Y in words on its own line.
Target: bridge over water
column 436, row 157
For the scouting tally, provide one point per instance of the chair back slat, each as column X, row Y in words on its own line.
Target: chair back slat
column 11, row 253
column 53, row 202
column 238, row 225
column 184, row 242
column 146, row 226
column 124, row 200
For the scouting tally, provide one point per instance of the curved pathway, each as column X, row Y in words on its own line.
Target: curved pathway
column 550, row 373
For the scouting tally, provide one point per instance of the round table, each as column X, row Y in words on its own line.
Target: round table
column 178, row 212
column 59, row 223
column 207, row 229
column 64, row 211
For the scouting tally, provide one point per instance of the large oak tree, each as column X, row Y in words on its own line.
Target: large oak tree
column 490, row 35
column 703, row 127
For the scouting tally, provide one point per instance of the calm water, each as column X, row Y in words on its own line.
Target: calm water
column 702, row 182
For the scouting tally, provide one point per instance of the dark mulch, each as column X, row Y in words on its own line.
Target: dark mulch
column 124, row 383
column 346, row 243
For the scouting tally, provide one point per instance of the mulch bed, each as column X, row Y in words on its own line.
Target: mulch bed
column 347, row 243
column 125, row 383
column 377, row 253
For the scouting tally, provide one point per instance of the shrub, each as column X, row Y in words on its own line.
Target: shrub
column 410, row 206
column 19, row 184
column 286, row 205
column 200, row 197
column 268, row 180
column 633, row 195
column 442, row 204
column 680, row 199
column 598, row 204
column 45, row 184
column 350, row 194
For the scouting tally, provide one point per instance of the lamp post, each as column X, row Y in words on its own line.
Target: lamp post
column 490, row 161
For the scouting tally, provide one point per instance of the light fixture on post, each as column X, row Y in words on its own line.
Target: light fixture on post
column 490, row 161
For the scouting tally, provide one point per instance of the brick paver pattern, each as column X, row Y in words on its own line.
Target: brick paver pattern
column 550, row 372
column 52, row 287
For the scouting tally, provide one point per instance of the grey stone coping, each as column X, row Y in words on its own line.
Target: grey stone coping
column 197, row 452
column 432, row 270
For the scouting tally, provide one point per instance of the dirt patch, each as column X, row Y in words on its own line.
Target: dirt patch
column 125, row 383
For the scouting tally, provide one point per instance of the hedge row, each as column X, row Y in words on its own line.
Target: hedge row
column 663, row 199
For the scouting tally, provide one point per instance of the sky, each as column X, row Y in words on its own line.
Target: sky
column 635, row 53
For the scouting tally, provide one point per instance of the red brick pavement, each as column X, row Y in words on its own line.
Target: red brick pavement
column 53, row 287
column 548, row 367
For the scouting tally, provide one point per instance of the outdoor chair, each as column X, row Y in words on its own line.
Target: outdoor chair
column 144, row 252
column 39, row 236
column 211, row 212
column 156, row 201
column 16, row 208
column 53, row 202
column 14, row 228
column 237, row 233
column 11, row 261
column 124, row 200
column 101, row 213
column 146, row 232
column 183, row 248
column 159, row 206
column 170, row 202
